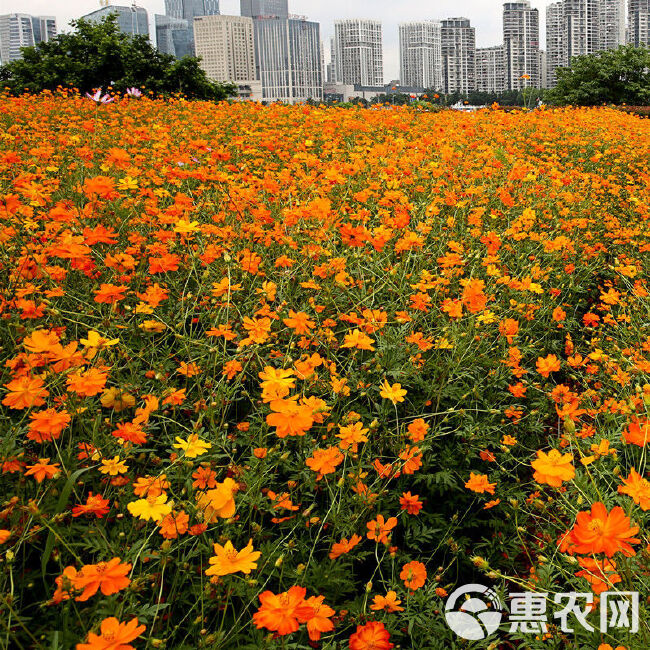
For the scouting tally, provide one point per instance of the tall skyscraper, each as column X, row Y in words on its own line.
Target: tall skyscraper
column 174, row 36
column 638, row 22
column 556, row 54
column 190, row 9
column 264, row 8
column 131, row 20
column 521, row 45
column 491, row 69
column 288, row 59
column 420, row 54
column 359, row 52
column 22, row 30
column 611, row 24
column 227, row 50
column 44, row 28
column 581, row 27
column 458, row 55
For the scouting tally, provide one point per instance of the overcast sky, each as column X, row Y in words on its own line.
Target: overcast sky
column 484, row 14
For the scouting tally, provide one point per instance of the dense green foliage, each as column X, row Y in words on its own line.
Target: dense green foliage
column 619, row 76
column 97, row 55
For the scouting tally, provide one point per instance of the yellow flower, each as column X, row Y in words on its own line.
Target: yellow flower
column 192, row 447
column 228, row 560
column 113, row 466
column 154, row 508
column 117, row 399
column 394, row 393
column 152, row 326
column 96, row 340
column 184, row 226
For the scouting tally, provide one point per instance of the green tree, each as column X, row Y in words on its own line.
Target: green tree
column 620, row 76
column 99, row 54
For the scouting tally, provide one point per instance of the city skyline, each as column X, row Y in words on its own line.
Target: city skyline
column 487, row 21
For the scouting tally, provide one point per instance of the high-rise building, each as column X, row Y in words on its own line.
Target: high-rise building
column 611, row 24
column 264, row 8
column 521, row 45
column 44, row 28
column 23, row 30
column 227, row 50
column 173, row 36
column 581, row 27
column 190, row 9
column 131, row 20
column 491, row 69
column 638, row 22
column 288, row 59
column 458, row 55
column 543, row 69
column 420, row 54
column 331, row 66
column 556, row 55
column 359, row 52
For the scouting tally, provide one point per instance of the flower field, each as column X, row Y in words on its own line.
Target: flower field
column 286, row 377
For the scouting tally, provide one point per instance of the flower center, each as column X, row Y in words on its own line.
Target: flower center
column 596, row 525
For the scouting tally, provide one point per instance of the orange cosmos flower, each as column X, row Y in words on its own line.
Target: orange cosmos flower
column 42, row 469
column 351, row 435
column 414, row 575
column 344, row 546
column 290, row 418
column 219, row 502
column 95, row 505
column 389, row 602
column 357, row 339
column 228, row 560
column 473, row 297
column 47, row 425
column 637, row 432
column 174, row 524
column 320, row 621
column 4, row 535
column 324, row 461
column 109, row 294
column 371, row 636
column 600, row 531
column 600, row 574
column 25, row 392
column 41, row 341
column 418, row 430
column 299, row 322
column 378, row 529
column 479, row 483
column 553, row 468
column 283, row 613
column 110, row 577
column 638, row 488
column 394, row 393
column 547, row 365
column 276, row 383
column 114, row 635
column 87, row 383
column 411, row 503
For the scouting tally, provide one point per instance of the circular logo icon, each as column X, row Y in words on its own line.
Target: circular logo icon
column 471, row 618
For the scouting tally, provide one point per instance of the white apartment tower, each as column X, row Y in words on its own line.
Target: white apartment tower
column 226, row 47
column 556, row 54
column 420, row 54
column 491, row 69
column 23, row 30
column 359, row 52
column 458, row 55
column 521, row 45
column 611, row 24
column 638, row 22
